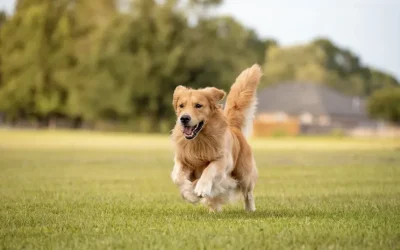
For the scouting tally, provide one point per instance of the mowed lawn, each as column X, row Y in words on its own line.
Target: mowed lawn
column 81, row 190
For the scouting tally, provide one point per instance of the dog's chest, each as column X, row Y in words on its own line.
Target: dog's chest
column 195, row 162
column 199, row 157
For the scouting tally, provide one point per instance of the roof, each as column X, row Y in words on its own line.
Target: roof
column 299, row 97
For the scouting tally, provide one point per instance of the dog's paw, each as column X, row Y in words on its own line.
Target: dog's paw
column 187, row 192
column 190, row 197
column 203, row 188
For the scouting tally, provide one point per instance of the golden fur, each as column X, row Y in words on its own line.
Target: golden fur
column 218, row 162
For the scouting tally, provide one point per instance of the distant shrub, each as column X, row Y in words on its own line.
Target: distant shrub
column 385, row 104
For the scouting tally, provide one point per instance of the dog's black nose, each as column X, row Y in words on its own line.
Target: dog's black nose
column 185, row 119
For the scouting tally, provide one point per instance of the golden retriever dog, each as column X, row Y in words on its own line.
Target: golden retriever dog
column 213, row 160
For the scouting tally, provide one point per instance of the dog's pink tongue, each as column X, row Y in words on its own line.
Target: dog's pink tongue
column 188, row 130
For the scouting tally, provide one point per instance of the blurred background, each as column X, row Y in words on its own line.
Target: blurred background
column 329, row 68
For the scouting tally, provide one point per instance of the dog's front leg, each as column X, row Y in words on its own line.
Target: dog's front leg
column 180, row 177
column 215, row 170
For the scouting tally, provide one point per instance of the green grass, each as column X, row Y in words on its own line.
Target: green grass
column 81, row 190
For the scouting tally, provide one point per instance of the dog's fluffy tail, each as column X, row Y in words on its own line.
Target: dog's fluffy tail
column 242, row 100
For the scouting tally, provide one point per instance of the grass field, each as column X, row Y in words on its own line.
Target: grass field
column 81, row 190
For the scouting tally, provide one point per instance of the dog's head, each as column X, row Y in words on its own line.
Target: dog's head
column 194, row 107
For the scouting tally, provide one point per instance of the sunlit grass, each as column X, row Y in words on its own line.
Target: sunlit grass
column 56, row 139
column 83, row 190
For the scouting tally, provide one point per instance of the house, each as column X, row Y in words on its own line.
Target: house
column 308, row 108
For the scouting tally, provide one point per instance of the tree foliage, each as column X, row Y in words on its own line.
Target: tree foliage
column 3, row 18
column 34, row 69
column 385, row 104
column 323, row 62
column 119, row 62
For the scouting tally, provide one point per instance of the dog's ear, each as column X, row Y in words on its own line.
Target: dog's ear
column 215, row 95
column 177, row 92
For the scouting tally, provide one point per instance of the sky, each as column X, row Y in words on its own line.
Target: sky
column 369, row 28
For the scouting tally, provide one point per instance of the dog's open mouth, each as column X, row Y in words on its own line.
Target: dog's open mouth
column 191, row 132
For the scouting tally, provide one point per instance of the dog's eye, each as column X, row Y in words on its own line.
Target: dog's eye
column 198, row 105
column 181, row 105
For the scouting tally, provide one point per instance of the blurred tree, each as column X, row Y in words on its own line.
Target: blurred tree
column 337, row 59
column 259, row 45
column 90, row 22
column 302, row 62
column 119, row 61
column 219, row 52
column 144, row 54
column 137, row 61
column 206, row 2
column 3, row 19
column 33, row 68
column 26, row 4
column 385, row 104
column 325, row 63
column 379, row 80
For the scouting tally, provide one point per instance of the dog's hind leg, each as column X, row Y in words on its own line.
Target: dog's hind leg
column 249, row 200
column 247, row 188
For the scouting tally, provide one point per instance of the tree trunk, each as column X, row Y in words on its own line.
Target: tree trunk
column 77, row 123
